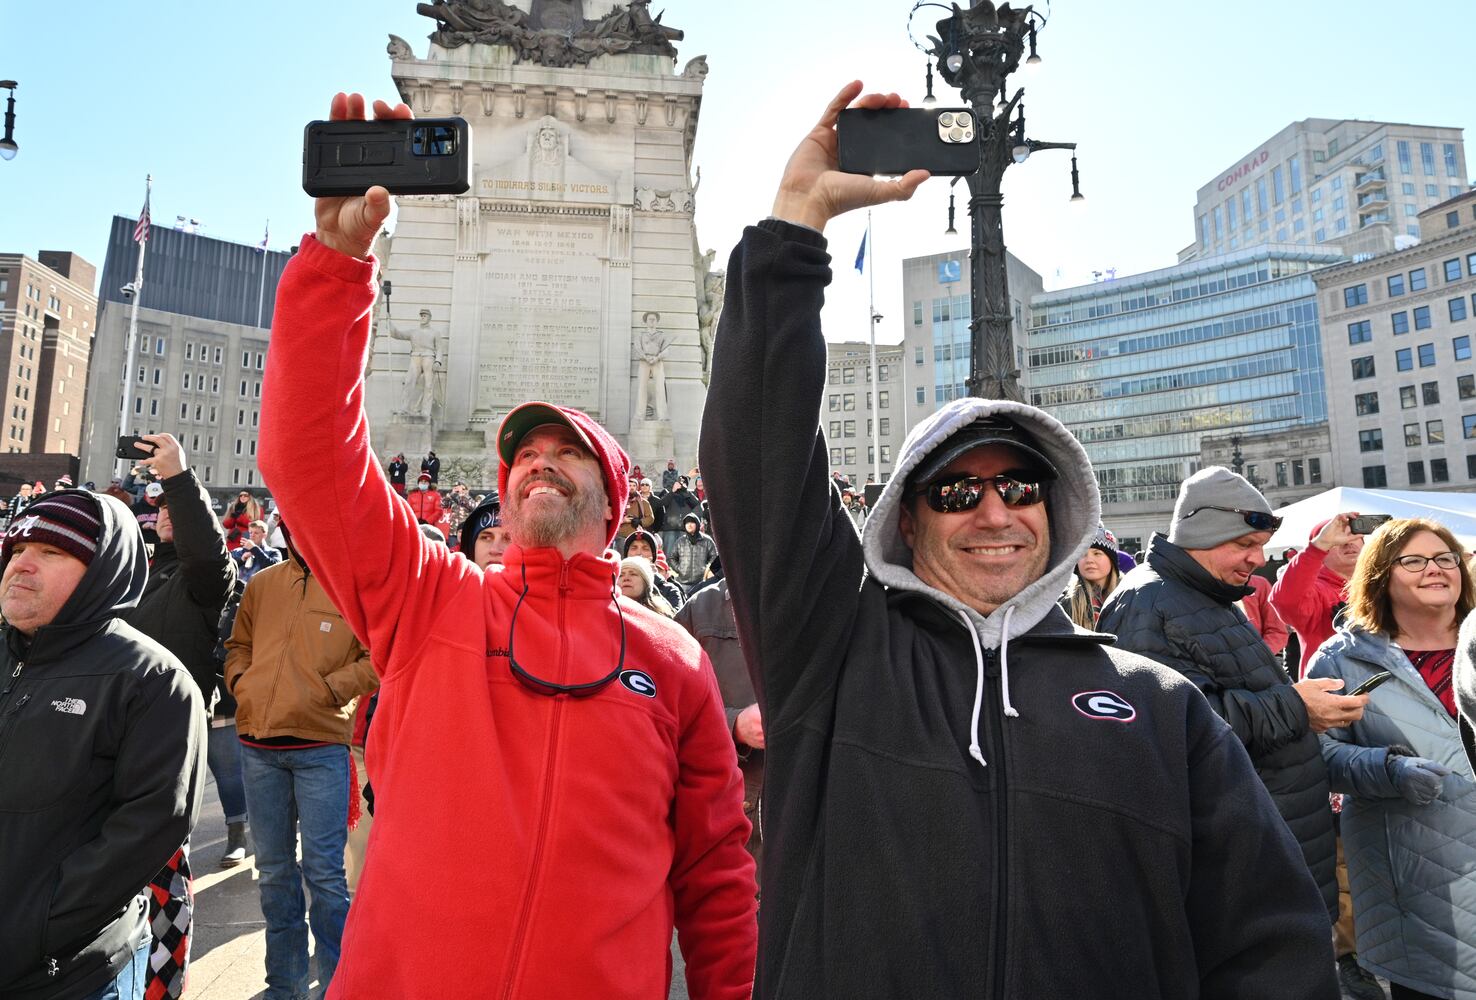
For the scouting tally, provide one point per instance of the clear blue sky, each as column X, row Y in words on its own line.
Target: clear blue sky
column 211, row 98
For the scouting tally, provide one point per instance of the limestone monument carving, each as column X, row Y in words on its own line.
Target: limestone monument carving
column 418, row 396
column 708, row 313
column 578, row 223
column 652, row 343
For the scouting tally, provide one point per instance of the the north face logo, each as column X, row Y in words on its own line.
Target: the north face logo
column 71, row 706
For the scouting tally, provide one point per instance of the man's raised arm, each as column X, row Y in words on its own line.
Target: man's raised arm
column 360, row 539
column 790, row 555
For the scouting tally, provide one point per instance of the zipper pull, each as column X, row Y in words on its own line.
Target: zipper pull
column 564, row 576
column 18, row 665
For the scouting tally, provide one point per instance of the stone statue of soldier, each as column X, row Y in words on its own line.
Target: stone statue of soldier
column 419, row 391
column 652, row 344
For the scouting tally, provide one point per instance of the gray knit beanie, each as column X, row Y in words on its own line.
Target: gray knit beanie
column 1197, row 525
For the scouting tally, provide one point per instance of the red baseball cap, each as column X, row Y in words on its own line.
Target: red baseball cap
column 614, row 462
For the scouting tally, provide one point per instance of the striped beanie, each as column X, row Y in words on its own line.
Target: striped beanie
column 68, row 520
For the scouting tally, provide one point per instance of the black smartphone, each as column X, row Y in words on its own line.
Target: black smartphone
column 405, row 155
column 132, row 447
column 1367, row 524
column 892, row 141
column 1371, row 683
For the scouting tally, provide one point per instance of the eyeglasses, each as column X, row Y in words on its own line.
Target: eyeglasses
column 954, row 496
column 549, row 688
column 1417, row 564
column 1257, row 519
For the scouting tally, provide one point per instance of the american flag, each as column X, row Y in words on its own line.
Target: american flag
column 265, row 238
column 141, row 231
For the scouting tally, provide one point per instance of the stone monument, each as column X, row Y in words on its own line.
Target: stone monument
column 570, row 271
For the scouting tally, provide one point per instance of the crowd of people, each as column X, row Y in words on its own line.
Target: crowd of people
column 955, row 739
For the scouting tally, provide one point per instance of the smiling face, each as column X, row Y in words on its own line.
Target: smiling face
column 38, row 581
column 1430, row 589
column 556, row 493
column 1234, row 561
column 985, row 556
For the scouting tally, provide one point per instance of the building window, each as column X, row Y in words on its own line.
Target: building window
column 1435, row 431
column 1457, row 308
column 1417, row 280
column 1468, row 426
column 1299, row 476
column 848, row 402
column 187, row 378
column 848, row 376
column 189, row 351
column 1466, row 386
column 1364, row 367
column 1452, row 270
column 217, row 356
column 1417, row 473
column 835, row 428
column 834, row 376
column 1431, row 392
column 1471, row 466
column 1403, row 359
column 1439, row 471
column 1427, row 355
column 835, row 456
column 1362, row 331
column 917, row 355
column 1374, row 477
column 922, row 395
column 1314, row 470
column 917, row 313
column 1356, row 295
column 1396, row 285
column 883, row 399
column 850, row 456
column 1471, row 259
column 1366, row 403
column 1422, row 318
column 1462, row 346
column 834, row 400
column 848, row 428
column 184, row 410
column 1400, row 322
column 886, row 426
column 159, row 346
column 1411, row 435
column 1371, row 440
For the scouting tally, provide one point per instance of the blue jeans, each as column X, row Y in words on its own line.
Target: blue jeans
column 290, row 792
column 130, row 982
column 223, row 754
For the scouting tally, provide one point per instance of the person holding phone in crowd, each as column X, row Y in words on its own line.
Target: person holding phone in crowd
column 1314, row 585
column 1409, row 819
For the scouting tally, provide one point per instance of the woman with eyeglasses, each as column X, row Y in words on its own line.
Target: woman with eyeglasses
column 1409, row 822
column 1095, row 578
column 238, row 517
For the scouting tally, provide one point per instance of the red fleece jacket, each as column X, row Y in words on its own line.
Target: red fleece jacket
column 1305, row 597
column 523, row 845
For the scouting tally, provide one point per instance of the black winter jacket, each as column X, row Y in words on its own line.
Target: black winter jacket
column 1172, row 610
column 102, row 769
column 190, row 581
column 1109, row 840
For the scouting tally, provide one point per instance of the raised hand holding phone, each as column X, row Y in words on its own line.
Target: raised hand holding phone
column 350, row 224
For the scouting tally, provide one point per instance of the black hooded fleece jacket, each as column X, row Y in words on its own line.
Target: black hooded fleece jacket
column 102, row 769
column 1114, row 841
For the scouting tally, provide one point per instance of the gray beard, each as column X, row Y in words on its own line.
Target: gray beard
column 548, row 526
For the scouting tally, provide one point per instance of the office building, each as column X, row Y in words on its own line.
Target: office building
column 48, row 315
column 847, row 414
column 1354, row 184
column 1401, row 381
column 201, row 353
column 935, row 294
column 1143, row 368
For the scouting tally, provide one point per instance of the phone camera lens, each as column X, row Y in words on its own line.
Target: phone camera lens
column 945, row 119
column 964, row 119
column 957, row 135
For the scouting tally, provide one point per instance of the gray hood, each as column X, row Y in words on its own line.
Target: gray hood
column 1073, row 505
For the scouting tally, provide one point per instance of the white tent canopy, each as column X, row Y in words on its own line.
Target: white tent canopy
column 1456, row 511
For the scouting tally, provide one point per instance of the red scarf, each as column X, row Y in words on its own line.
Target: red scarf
column 1434, row 666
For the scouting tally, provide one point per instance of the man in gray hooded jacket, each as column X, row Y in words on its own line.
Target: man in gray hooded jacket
column 965, row 795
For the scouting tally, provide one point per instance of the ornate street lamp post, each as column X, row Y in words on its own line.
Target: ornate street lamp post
column 976, row 50
column 8, row 145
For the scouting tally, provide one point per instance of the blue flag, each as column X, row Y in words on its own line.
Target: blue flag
column 861, row 254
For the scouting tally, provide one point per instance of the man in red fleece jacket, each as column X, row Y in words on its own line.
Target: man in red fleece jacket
column 555, row 783
column 1315, row 583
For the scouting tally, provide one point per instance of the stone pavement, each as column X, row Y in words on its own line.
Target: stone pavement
column 228, row 951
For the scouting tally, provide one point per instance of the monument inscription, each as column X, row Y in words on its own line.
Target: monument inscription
column 542, row 296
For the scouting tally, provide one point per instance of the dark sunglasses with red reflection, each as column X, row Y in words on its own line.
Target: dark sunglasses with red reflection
column 1256, row 519
column 964, row 493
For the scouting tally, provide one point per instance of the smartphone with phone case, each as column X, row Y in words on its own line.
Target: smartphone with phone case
column 892, row 141
column 1367, row 524
column 132, row 447
column 403, row 155
column 1371, row 683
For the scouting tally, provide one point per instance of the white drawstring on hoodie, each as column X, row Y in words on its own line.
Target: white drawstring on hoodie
column 1004, row 679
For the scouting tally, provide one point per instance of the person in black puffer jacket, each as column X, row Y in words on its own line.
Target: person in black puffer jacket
column 1179, row 609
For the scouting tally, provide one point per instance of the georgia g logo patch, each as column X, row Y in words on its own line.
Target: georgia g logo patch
column 1104, row 705
column 638, row 682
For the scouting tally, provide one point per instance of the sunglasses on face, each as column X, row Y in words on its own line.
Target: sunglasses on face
column 1257, row 519
column 1417, row 564
column 954, row 496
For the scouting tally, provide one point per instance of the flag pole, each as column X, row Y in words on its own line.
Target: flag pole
column 141, row 233
column 261, row 290
column 872, row 318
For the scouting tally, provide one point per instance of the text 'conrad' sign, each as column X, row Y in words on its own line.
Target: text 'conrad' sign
column 1244, row 170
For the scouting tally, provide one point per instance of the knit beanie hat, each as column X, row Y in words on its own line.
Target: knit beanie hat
column 642, row 567
column 644, row 536
column 487, row 514
column 1197, row 524
column 1105, row 540
column 68, row 519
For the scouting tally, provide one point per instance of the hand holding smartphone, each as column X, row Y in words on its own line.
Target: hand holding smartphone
column 892, row 141
column 1371, row 683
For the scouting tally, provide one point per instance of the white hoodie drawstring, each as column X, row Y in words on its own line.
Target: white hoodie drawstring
column 1009, row 710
